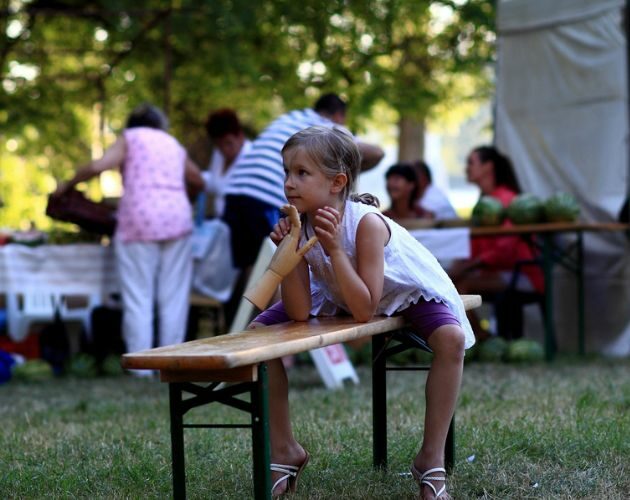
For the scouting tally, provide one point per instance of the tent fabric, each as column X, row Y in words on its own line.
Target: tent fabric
column 523, row 15
column 562, row 116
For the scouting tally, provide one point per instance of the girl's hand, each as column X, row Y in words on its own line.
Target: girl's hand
column 326, row 226
column 280, row 230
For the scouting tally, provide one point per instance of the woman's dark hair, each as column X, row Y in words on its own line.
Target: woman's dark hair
column 147, row 115
column 421, row 167
column 503, row 169
column 406, row 171
column 330, row 104
column 222, row 122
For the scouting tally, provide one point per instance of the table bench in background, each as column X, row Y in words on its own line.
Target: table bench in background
column 241, row 358
column 553, row 250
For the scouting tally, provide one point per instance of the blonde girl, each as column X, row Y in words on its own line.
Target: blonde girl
column 364, row 264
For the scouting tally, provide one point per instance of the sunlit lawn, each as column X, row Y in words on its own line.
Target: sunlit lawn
column 542, row 431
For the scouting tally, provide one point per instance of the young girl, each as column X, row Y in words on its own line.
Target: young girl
column 364, row 265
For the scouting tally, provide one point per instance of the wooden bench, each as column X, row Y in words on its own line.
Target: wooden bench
column 241, row 358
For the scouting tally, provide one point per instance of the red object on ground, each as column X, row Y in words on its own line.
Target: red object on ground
column 29, row 347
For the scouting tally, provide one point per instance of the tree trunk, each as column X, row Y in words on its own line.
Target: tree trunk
column 410, row 139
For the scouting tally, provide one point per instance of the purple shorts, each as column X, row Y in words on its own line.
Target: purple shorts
column 425, row 316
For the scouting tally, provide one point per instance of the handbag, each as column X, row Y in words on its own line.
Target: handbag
column 73, row 206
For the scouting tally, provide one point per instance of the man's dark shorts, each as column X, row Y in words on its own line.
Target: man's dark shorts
column 250, row 222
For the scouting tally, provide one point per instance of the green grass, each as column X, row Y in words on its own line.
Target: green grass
column 542, row 431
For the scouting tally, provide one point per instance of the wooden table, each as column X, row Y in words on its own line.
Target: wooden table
column 544, row 236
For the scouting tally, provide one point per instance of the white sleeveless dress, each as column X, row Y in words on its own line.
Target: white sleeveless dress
column 411, row 272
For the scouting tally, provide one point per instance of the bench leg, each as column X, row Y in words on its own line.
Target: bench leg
column 449, row 449
column 260, row 435
column 177, row 441
column 379, row 402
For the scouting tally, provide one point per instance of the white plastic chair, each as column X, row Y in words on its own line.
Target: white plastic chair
column 39, row 306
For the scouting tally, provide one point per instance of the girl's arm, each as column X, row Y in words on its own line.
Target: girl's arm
column 112, row 158
column 296, row 286
column 296, row 293
column 362, row 288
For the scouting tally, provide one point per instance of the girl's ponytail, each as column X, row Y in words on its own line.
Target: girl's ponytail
column 366, row 198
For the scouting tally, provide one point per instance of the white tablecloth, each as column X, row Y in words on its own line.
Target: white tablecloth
column 445, row 244
column 70, row 269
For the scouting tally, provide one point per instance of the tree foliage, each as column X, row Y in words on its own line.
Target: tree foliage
column 71, row 70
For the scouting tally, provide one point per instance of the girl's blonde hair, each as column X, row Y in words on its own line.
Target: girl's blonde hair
column 333, row 150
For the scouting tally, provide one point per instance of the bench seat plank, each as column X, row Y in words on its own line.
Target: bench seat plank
column 255, row 346
column 263, row 344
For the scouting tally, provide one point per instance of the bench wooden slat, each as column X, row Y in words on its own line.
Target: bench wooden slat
column 255, row 346
column 263, row 344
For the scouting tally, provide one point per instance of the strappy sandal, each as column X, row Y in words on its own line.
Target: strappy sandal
column 425, row 478
column 290, row 474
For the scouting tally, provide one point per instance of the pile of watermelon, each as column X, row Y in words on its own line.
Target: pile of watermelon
column 497, row 349
column 561, row 207
column 526, row 208
column 488, row 212
column 524, row 351
column 80, row 365
column 33, row 370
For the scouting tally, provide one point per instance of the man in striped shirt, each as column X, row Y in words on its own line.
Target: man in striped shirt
column 255, row 190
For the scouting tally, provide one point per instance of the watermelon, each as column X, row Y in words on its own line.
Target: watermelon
column 111, row 366
column 492, row 349
column 524, row 351
column 487, row 212
column 81, row 365
column 33, row 370
column 561, row 207
column 525, row 208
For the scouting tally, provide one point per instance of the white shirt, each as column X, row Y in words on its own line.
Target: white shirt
column 435, row 201
column 215, row 178
column 260, row 173
column 411, row 272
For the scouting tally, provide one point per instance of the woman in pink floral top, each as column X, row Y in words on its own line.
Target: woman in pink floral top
column 154, row 223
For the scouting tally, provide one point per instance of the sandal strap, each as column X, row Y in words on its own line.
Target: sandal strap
column 426, row 473
column 426, row 478
column 437, row 493
column 288, row 472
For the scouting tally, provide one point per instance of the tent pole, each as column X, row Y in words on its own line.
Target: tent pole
column 626, row 23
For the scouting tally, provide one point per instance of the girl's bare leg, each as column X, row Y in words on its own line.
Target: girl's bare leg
column 442, row 389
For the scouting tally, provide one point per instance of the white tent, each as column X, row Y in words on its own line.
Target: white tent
column 562, row 117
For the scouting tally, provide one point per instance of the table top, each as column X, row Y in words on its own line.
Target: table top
column 78, row 268
column 543, row 227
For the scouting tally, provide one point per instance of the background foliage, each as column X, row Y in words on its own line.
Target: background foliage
column 70, row 71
